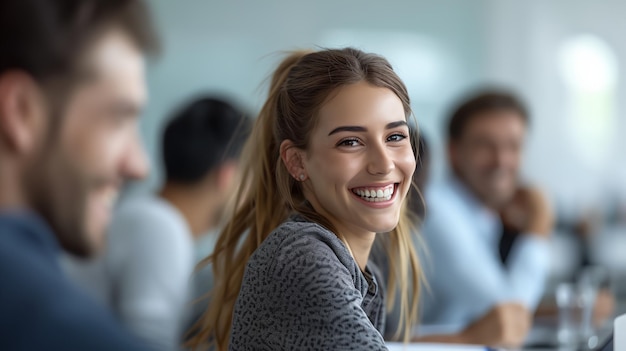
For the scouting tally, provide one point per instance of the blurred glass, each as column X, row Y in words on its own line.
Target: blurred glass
column 586, row 300
column 590, row 281
column 569, row 313
column 576, row 305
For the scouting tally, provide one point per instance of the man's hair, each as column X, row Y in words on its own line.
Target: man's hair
column 45, row 38
column 200, row 137
column 483, row 102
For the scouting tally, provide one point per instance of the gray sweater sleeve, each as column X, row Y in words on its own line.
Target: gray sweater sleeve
column 302, row 290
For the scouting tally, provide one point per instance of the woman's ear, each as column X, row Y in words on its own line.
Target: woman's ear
column 293, row 157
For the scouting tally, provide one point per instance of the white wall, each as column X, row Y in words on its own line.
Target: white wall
column 440, row 48
column 232, row 46
column 580, row 168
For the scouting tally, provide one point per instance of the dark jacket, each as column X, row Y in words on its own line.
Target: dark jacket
column 40, row 309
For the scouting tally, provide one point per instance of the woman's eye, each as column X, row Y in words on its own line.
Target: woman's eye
column 349, row 142
column 396, row 137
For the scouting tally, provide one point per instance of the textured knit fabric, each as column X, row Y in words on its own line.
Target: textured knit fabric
column 302, row 290
column 40, row 309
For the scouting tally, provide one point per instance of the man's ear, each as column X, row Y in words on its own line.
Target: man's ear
column 21, row 112
column 293, row 158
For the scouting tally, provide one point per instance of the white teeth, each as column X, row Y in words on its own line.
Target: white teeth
column 376, row 195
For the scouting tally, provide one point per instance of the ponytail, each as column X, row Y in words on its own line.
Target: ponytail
column 258, row 209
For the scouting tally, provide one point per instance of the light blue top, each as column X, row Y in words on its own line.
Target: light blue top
column 462, row 266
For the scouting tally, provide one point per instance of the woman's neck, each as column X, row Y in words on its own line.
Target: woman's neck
column 358, row 241
column 359, row 245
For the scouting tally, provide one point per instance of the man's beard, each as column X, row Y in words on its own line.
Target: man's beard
column 56, row 190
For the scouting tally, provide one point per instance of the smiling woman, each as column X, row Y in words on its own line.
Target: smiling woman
column 328, row 166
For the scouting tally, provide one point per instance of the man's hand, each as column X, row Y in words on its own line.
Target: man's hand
column 504, row 325
column 529, row 212
column 604, row 307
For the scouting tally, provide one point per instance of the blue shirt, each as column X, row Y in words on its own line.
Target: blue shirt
column 40, row 309
column 463, row 270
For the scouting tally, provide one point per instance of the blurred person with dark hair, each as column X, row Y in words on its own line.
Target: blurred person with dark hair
column 71, row 90
column 144, row 275
column 469, row 280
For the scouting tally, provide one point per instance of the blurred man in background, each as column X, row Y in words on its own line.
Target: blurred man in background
column 144, row 275
column 501, row 325
column 468, row 279
column 71, row 90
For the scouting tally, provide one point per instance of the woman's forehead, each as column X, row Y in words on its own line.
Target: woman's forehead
column 361, row 104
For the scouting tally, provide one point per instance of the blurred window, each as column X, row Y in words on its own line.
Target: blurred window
column 589, row 69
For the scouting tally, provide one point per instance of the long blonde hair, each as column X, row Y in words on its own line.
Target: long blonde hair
column 268, row 194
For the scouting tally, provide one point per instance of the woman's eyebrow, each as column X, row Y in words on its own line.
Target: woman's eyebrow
column 363, row 129
column 396, row 124
column 348, row 129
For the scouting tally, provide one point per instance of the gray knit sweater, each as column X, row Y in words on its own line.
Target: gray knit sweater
column 302, row 290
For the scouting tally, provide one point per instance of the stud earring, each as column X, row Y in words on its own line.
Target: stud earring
column 302, row 177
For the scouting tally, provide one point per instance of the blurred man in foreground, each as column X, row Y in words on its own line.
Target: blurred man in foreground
column 145, row 272
column 71, row 90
